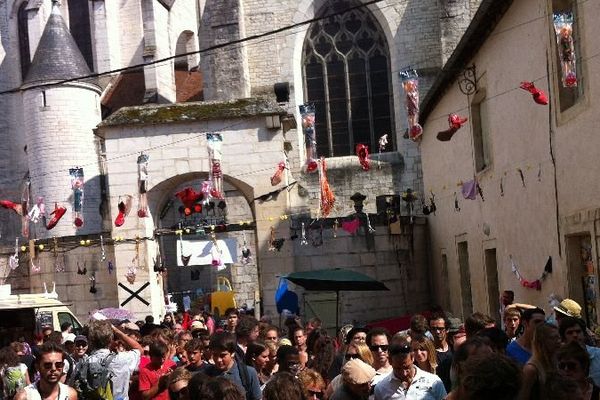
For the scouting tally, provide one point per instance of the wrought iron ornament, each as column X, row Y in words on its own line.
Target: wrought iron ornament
column 468, row 82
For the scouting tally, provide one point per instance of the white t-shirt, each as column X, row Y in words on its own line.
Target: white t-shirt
column 121, row 367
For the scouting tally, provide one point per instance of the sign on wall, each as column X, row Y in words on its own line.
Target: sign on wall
column 202, row 251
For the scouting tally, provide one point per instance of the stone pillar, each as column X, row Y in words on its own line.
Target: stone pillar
column 158, row 78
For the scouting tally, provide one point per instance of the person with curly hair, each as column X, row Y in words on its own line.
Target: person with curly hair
column 490, row 376
column 221, row 388
column 283, row 386
column 178, row 384
column 321, row 349
column 312, row 384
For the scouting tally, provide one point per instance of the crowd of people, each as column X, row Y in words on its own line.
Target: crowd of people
column 192, row 356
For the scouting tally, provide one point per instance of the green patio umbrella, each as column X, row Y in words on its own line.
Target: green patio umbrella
column 335, row 280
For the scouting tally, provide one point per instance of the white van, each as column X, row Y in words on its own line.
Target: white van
column 23, row 315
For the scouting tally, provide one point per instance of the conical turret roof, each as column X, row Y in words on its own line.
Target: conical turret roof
column 57, row 56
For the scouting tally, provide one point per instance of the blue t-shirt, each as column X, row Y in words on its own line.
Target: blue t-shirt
column 253, row 391
column 515, row 351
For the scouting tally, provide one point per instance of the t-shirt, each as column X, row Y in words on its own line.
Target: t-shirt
column 234, row 375
column 515, row 351
column 13, row 379
column 121, row 367
column 150, row 375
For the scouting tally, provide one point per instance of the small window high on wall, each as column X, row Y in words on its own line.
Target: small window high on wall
column 481, row 134
column 79, row 24
column 347, row 76
column 568, row 96
column 23, row 27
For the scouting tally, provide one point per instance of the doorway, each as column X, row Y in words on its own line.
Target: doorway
column 581, row 276
column 493, row 289
column 465, row 279
column 321, row 305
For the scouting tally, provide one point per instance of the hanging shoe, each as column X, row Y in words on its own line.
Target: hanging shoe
column 57, row 215
column 9, row 205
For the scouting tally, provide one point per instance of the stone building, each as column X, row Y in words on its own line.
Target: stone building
column 534, row 162
column 97, row 84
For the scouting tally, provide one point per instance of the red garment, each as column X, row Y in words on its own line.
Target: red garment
column 187, row 321
column 538, row 96
column 150, row 375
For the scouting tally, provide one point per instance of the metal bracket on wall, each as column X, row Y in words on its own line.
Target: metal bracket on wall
column 467, row 83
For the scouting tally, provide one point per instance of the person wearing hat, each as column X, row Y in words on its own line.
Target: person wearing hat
column 78, row 355
column 567, row 308
column 356, row 376
column 407, row 381
column 570, row 308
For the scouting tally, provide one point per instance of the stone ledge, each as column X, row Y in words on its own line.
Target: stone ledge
column 351, row 162
column 191, row 112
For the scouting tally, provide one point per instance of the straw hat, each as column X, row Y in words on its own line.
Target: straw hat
column 569, row 308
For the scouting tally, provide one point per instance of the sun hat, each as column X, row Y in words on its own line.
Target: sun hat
column 357, row 372
column 569, row 307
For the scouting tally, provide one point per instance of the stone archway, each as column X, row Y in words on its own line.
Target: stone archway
column 198, row 278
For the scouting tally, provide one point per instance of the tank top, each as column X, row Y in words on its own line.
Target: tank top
column 34, row 394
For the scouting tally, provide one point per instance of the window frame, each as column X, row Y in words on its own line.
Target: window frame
column 562, row 116
column 481, row 133
column 378, row 50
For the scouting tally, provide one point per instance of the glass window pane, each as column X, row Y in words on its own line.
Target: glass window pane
column 357, row 65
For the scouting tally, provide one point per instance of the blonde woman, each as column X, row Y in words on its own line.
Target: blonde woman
column 545, row 344
column 424, row 353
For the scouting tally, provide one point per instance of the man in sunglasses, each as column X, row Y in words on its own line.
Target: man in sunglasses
column 50, row 364
column 378, row 340
column 407, row 381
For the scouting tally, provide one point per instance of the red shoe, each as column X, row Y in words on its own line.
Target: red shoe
column 58, row 214
column 9, row 205
column 120, row 220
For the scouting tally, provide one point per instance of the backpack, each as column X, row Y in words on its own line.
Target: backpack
column 93, row 380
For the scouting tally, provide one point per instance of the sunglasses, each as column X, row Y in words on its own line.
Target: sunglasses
column 81, row 344
column 568, row 366
column 377, row 347
column 436, row 328
column 351, row 356
column 314, row 393
column 56, row 365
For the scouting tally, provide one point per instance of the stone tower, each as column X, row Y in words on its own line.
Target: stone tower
column 59, row 122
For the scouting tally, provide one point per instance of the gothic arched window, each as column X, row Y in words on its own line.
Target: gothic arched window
column 347, row 76
column 79, row 24
column 23, row 27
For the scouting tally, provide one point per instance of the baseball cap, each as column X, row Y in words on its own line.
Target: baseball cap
column 80, row 338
